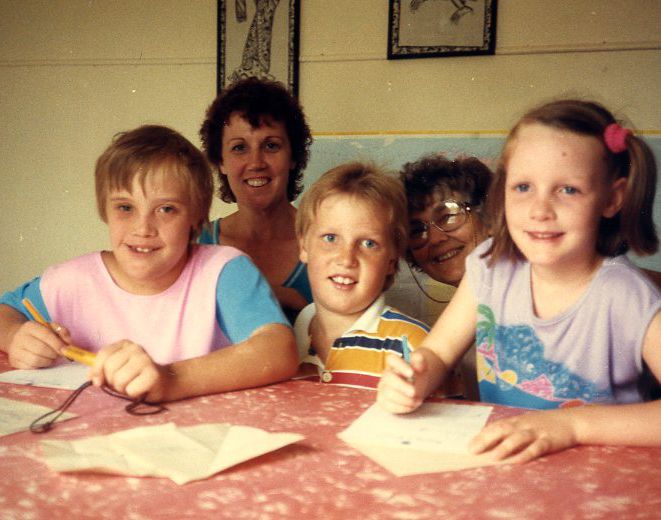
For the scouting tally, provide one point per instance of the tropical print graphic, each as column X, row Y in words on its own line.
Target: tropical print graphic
column 512, row 369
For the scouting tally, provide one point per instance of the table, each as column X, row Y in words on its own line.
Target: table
column 319, row 477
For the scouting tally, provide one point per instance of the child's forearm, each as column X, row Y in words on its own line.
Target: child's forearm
column 266, row 357
column 525, row 437
column 631, row 424
column 437, row 371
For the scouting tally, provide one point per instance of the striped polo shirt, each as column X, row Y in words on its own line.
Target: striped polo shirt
column 358, row 357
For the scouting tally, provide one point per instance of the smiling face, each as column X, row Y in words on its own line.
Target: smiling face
column 556, row 191
column 349, row 252
column 256, row 161
column 443, row 256
column 150, row 232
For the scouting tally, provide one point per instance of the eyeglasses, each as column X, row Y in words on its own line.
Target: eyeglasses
column 448, row 216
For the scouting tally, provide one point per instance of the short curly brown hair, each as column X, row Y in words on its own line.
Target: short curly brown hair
column 436, row 174
column 433, row 173
column 257, row 99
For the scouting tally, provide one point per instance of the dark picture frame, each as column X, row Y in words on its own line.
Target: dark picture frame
column 433, row 28
column 258, row 38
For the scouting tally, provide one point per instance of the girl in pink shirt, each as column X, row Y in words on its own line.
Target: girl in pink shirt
column 168, row 319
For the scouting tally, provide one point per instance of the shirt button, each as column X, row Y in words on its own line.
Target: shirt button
column 326, row 376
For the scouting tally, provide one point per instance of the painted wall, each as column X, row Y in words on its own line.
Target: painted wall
column 75, row 72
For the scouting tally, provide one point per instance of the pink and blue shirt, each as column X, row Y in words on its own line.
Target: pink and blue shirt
column 219, row 299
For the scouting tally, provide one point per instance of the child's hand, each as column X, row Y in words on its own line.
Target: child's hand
column 401, row 387
column 36, row 346
column 128, row 369
column 527, row 436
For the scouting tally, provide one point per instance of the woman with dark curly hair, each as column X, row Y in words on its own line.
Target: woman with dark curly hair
column 445, row 199
column 256, row 136
column 446, row 222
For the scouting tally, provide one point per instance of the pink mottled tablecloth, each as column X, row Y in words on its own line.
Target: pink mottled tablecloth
column 320, row 477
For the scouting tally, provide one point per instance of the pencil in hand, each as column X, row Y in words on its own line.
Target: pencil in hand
column 406, row 350
column 70, row 351
column 406, row 355
column 79, row 354
column 36, row 315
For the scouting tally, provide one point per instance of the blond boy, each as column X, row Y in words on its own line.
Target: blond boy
column 352, row 230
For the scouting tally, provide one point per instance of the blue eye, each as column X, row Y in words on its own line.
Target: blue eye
column 329, row 238
column 125, row 208
column 522, row 188
column 368, row 243
column 569, row 190
column 167, row 209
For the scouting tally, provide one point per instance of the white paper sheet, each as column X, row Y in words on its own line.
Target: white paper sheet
column 432, row 427
column 181, row 454
column 16, row 416
column 68, row 376
column 433, row 438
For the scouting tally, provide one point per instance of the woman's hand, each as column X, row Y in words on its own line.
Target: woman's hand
column 527, row 436
column 402, row 386
column 36, row 346
column 128, row 369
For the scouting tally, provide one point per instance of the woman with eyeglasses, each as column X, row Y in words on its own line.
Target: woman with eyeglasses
column 446, row 222
column 445, row 219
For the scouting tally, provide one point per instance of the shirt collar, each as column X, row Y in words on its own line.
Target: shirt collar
column 369, row 320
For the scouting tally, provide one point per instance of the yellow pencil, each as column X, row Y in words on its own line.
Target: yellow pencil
column 79, row 354
column 70, row 351
column 34, row 312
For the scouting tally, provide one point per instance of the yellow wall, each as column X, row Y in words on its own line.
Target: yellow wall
column 74, row 72
column 606, row 49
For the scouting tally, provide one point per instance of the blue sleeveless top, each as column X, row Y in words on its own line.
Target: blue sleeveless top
column 297, row 279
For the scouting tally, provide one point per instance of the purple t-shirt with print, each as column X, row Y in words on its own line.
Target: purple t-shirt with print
column 589, row 353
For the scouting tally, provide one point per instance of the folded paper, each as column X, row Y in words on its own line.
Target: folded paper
column 181, row 454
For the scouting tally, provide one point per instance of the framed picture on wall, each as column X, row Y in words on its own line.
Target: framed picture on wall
column 258, row 38
column 431, row 28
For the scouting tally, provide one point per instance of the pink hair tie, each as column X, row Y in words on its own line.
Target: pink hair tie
column 615, row 137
